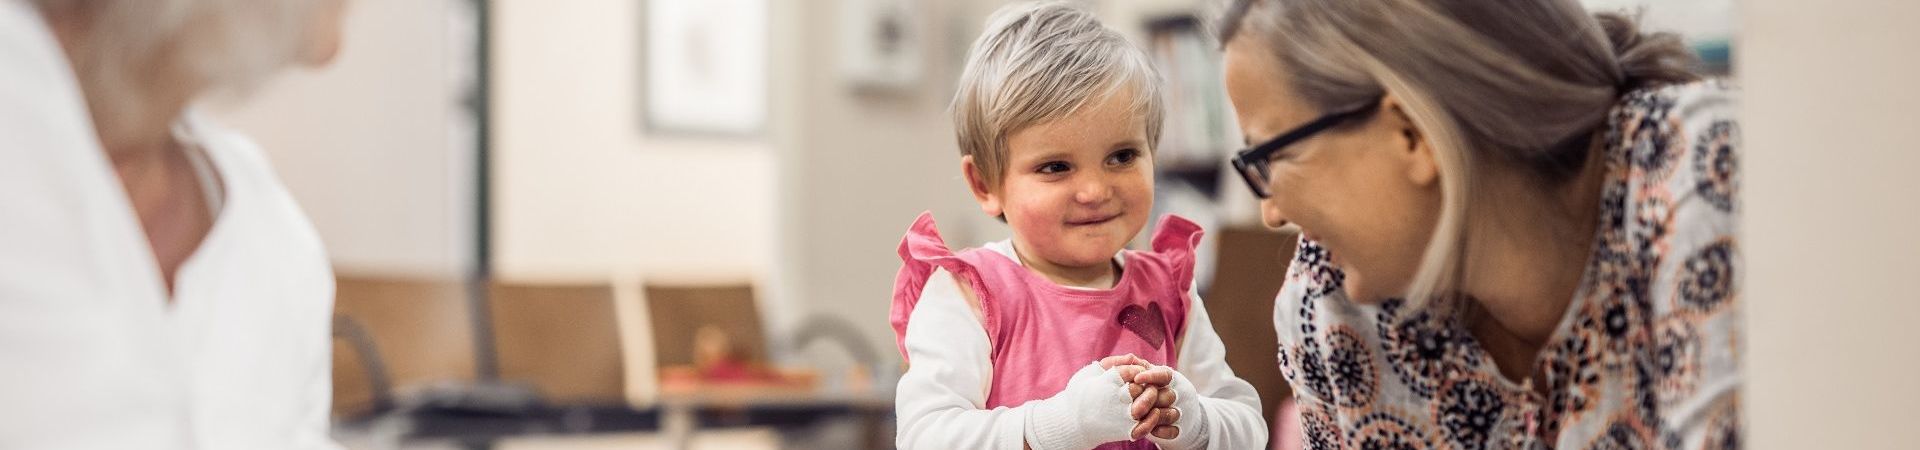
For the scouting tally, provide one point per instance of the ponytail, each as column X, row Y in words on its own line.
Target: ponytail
column 1647, row 59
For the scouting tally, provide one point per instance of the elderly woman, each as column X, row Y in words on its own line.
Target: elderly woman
column 1517, row 223
column 158, row 286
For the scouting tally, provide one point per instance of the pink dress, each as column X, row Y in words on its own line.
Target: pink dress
column 1043, row 332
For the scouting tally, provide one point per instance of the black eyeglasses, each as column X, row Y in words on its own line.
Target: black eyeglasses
column 1252, row 162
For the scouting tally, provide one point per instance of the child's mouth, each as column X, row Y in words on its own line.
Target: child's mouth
column 1092, row 220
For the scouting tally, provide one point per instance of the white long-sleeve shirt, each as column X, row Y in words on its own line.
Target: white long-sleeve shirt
column 940, row 400
column 93, row 355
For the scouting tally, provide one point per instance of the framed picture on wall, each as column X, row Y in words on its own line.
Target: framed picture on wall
column 880, row 44
column 704, row 69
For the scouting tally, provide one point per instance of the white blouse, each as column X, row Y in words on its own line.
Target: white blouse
column 92, row 352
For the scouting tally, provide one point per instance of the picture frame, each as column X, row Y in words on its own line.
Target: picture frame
column 705, row 67
column 882, row 45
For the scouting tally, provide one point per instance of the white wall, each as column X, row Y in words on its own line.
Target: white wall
column 377, row 150
column 374, row 147
column 581, row 191
column 812, row 211
column 855, row 168
column 1831, row 204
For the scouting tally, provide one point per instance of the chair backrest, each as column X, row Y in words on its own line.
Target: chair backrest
column 564, row 340
column 422, row 330
column 1251, row 267
column 678, row 311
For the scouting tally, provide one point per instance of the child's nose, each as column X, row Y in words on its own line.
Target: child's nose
column 1093, row 190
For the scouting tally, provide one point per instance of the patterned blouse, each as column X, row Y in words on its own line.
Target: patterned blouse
column 1647, row 355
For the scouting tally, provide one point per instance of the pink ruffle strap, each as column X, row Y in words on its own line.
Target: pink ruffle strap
column 921, row 251
column 1175, row 239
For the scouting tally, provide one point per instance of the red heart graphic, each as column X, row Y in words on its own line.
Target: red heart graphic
column 1146, row 323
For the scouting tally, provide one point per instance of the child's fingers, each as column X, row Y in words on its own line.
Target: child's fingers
column 1166, row 431
column 1147, row 424
column 1159, row 376
column 1128, row 371
column 1165, row 399
column 1118, row 360
column 1143, row 403
column 1171, row 416
column 1135, row 389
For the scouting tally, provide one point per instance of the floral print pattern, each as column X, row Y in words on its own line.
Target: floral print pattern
column 1644, row 357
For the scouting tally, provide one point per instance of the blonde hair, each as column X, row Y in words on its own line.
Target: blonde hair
column 1516, row 84
column 218, row 45
column 1038, row 62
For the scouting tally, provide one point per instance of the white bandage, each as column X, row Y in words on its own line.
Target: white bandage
column 1090, row 411
column 1193, row 417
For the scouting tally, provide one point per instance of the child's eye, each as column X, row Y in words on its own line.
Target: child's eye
column 1123, row 158
column 1053, row 167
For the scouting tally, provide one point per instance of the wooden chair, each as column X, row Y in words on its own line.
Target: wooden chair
column 418, row 331
column 678, row 311
column 564, row 340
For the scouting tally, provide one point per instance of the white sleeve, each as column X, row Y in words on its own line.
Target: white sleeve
column 315, row 427
column 1233, row 407
column 940, row 399
column 315, row 430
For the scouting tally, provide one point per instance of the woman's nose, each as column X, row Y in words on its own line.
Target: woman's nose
column 1270, row 214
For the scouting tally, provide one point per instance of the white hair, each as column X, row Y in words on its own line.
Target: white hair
column 1038, row 62
column 217, row 45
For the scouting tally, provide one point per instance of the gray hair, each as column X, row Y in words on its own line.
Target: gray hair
column 1038, row 62
column 223, row 45
column 1515, row 84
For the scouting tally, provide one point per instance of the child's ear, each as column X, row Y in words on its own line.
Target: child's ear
column 989, row 201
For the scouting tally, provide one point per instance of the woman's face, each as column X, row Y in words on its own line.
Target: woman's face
column 1368, row 191
column 324, row 33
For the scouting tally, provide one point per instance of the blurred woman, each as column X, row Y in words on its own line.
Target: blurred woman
column 1517, row 223
column 159, row 288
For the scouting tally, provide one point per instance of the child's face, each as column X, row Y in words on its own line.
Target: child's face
column 1076, row 190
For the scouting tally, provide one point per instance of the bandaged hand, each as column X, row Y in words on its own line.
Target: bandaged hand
column 1180, row 421
column 1092, row 410
column 1165, row 405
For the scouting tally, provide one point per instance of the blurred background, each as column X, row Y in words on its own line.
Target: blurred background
column 672, row 223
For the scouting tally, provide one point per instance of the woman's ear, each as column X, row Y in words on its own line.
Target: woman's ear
column 982, row 192
column 1422, row 167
